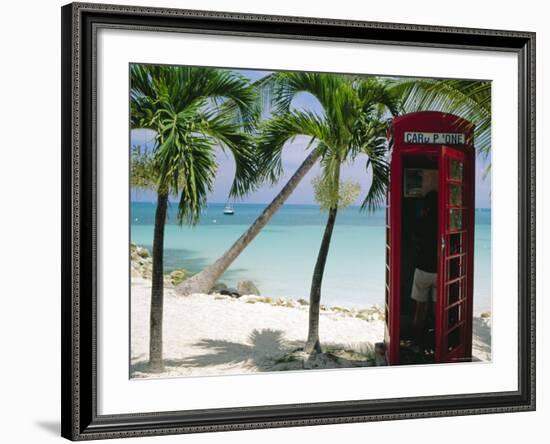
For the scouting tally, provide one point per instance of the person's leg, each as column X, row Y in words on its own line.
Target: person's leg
column 419, row 322
column 420, row 294
column 433, row 287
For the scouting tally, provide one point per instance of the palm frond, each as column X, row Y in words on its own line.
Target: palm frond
column 284, row 128
column 470, row 100
column 354, row 121
column 378, row 162
column 228, row 134
column 193, row 110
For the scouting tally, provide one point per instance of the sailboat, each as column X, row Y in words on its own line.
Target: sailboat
column 228, row 210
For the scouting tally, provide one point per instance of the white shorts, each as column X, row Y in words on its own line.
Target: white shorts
column 424, row 284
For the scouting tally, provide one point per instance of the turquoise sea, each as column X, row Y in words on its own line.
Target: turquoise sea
column 280, row 260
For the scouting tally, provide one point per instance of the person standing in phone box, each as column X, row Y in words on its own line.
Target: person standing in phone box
column 425, row 273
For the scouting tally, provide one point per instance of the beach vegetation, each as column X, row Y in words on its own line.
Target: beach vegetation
column 344, row 195
column 353, row 109
column 331, row 194
column 143, row 174
column 192, row 110
column 178, row 275
column 353, row 122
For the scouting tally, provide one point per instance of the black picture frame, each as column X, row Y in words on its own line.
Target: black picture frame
column 80, row 420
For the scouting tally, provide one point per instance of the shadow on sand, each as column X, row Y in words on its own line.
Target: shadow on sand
column 263, row 347
column 265, row 350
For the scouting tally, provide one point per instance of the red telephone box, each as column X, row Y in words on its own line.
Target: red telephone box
column 431, row 151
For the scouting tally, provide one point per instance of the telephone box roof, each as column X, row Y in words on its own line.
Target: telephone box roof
column 431, row 119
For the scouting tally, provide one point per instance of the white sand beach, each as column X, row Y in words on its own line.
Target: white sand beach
column 220, row 335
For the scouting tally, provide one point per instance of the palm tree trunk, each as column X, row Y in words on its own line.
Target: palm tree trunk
column 157, row 286
column 312, row 343
column 202, row 282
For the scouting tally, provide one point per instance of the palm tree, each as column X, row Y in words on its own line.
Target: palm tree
column 331, row 197
column 353, row 123
column 191, row 110
column 350, row 118
column 468, row 99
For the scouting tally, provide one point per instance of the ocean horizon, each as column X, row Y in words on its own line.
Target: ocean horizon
column 281, row 258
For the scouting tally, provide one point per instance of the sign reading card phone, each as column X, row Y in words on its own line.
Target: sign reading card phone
column 435, row 138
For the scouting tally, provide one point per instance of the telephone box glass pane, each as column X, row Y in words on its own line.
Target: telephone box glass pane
column 456, row 169
column 455, row 219
column 455, row 268
column 454, row 315
column 455, row 195
column 454, row 292
column 455, row 243
column 412, row 181
column 454, row 338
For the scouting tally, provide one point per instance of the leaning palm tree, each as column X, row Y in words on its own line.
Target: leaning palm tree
column 352, row 116
column 352, row 124
column 192, row 110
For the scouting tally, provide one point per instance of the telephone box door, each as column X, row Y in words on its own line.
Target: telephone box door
column 392, row 266
column 456, row 231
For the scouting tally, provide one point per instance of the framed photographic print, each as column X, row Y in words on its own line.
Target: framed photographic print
column 280, row 221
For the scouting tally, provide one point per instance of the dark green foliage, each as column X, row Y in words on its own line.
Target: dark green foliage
column 354, row 121
column 465, row 98
column 143, row 173
column 192, row 110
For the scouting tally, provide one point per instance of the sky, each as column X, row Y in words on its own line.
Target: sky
column 294, row 152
